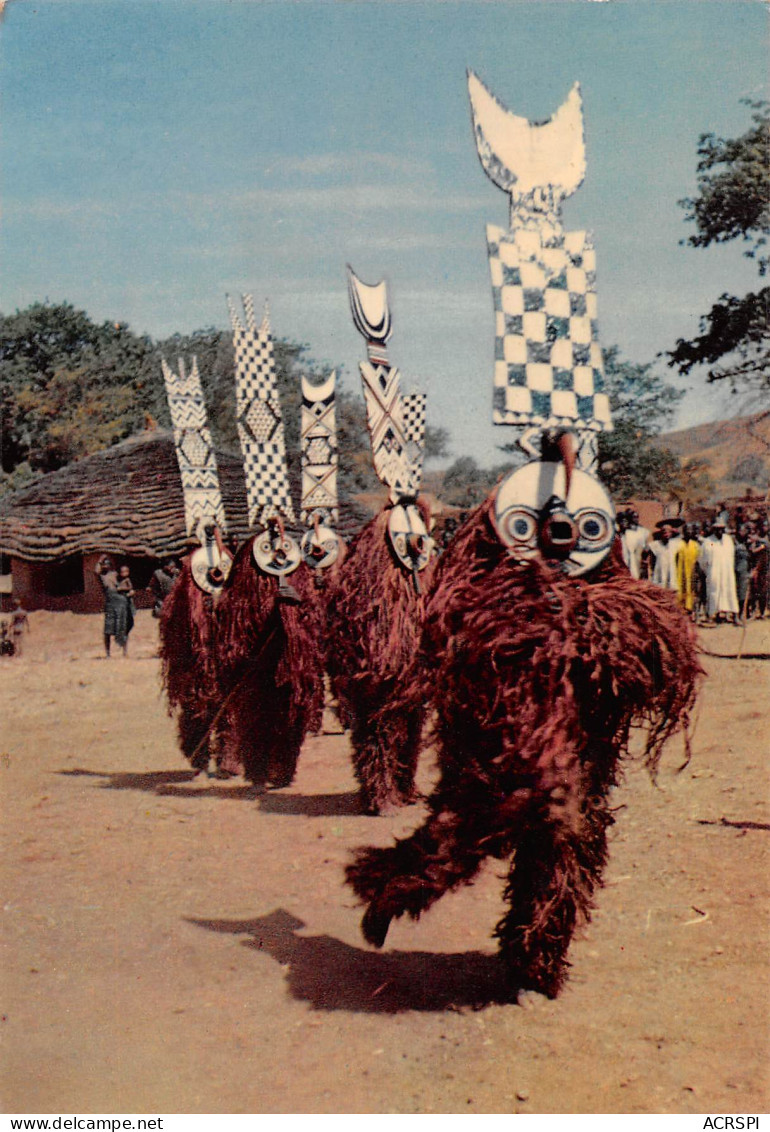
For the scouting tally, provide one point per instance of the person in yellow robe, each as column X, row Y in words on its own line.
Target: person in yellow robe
column 687, row 556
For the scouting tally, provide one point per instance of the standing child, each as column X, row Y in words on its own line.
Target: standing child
column 19, row 623
column 118, row 606
column 125, row 587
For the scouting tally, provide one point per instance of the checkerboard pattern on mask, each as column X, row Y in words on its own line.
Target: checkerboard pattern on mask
column 548, row 361
column 264, row 456
column 413, row 413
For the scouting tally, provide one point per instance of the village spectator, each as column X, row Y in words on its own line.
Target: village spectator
column 699, row 574
column 722, row 516
column 664, row 547
column 6, row 644
column 718, row 556
column 759, row 581
column 19, row 626
column 647, row 563
column 162, row 583
column 687, row 571
column 633, row 540
column 118, row 603
column 449, row 532
column 742, row 570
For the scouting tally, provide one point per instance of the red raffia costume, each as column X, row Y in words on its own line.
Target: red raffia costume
column 186, row 628
column 188, row 668
column 535, row 679
column 374, row 603
column 269, row 659
column 271, row 666
column 538, row 651
column 373, row 617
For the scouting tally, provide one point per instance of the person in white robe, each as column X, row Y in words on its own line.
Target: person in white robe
column 718, row 562
column 633, row 540
column 665, row 548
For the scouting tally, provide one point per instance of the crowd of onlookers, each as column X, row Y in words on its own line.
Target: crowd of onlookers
column 718, row 567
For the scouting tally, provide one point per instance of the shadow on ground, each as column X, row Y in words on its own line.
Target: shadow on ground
column 332, row 975
column 312, row 805
column 166, row 783
column 186, row 784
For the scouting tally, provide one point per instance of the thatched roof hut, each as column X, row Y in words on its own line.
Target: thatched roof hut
column 126, row 501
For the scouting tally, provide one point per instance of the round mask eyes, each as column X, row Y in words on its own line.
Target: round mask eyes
column 533, row 506
column 276, row 556
column 409, row 537
column 210, row 568
column 595, row 528
column 320, row 548
column 519, row 528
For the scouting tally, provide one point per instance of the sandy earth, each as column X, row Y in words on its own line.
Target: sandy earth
column 173, row 945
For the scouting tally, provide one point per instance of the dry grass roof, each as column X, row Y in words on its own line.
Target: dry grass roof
column 125, row 500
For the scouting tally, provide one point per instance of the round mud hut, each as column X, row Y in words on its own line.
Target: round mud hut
column 125, row 501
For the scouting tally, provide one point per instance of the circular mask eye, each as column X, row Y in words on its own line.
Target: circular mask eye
column 519, row 528
column 409, row 537
column 276, row 556
column 595, row 528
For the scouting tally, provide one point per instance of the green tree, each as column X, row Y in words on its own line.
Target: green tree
column 630, row 463
column 465, row 483
column 733, row 202
column 70, row 386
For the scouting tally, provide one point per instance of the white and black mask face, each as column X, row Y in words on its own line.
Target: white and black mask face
column 320, row 548
column 276, row 553
column 409, row 537
column 209, row 567
column 534, row 519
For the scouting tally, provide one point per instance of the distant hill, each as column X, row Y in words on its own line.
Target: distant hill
column 737, row 450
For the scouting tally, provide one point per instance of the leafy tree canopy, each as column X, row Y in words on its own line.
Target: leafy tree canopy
column 70, row 386
column 465, row 483
column 733, row 202
column 642, row 403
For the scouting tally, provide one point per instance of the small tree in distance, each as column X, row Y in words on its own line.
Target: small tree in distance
column 642, row 403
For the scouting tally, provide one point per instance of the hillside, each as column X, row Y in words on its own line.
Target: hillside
column 737, row 451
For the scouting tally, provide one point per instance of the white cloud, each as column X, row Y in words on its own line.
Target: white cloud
column 45, row 208
column 343, row 198
column 359, row 199
column 346, row 163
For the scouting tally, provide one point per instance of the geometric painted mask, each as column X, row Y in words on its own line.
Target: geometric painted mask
column 210, row 564
column 275, row 552
column 409, row 537
column 536, row 516
column 320, row 547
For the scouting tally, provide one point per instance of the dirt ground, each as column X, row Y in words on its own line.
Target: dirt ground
column 174, row 945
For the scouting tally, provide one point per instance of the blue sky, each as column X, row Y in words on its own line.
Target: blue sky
column 157, row 154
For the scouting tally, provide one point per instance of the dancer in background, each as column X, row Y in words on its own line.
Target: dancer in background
column 269, row 616
column 374, row 605
column 187, row 627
